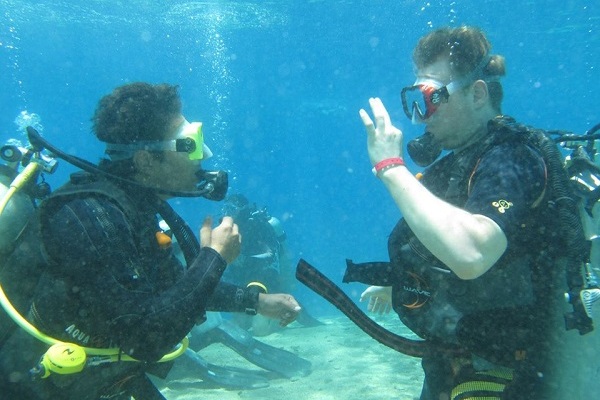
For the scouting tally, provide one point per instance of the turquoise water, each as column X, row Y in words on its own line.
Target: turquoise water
column 278, row 85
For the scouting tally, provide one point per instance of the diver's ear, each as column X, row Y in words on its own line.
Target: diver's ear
column 480, row 93
column 143, row 161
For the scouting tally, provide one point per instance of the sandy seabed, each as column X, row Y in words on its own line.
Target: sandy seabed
column 346, row 364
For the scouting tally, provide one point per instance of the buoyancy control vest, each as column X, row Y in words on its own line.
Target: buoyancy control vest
column 28, row 262
column 28, row 265
column 24, row 269
column 504, row 308
column 83, row 184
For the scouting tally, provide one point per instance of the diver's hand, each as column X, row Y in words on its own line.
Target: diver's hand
column 225, row 239
column 283, row 307
column 380, row 299
column 384, row 140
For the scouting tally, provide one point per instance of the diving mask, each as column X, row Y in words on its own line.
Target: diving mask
column 422, row 99
column 189, row 139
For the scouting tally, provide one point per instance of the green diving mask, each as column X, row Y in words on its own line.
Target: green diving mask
column 189, row 139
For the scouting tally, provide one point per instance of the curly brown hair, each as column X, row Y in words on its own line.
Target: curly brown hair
column 136, row 111
column 464, row 47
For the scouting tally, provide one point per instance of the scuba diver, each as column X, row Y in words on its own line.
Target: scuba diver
column 264, row 260
column 91, row 269
column 489, row 241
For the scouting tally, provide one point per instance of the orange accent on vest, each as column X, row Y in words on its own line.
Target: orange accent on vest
column 164, row 241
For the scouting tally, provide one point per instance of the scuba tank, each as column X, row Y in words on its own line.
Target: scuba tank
column 18, row 203
column 17, row 207
column 16, row 213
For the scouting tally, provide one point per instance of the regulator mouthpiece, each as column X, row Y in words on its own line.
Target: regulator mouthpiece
column 213, row 184
column 424, row 150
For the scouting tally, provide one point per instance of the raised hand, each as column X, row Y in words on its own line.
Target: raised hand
column 225, row 239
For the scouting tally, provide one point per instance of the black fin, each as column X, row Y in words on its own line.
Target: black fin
column 271, row 358
column 227, row 377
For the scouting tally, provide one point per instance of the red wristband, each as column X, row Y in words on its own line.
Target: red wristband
column 388, row 162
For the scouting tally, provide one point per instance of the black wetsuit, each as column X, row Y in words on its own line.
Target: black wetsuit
column 499, row 317
column 106, row 282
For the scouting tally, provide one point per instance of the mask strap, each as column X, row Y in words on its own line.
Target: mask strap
column 477, row 73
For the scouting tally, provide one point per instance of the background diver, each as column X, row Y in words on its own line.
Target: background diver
column 264, row 261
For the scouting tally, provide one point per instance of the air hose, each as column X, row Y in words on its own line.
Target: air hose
column 62, row 358
column 577, row 247
column 320, row 284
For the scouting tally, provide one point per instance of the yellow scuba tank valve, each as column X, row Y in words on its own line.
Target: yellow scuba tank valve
column 24, row 176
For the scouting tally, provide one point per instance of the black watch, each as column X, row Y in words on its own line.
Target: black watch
column 251, row 311
column 251, row 299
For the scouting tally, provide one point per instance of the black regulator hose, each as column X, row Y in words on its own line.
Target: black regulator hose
column 182, row 232
column 213, row 185
column 320, row 284
column 577, row 247
column 562, row 200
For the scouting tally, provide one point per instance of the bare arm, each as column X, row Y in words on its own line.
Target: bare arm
column 469, row 244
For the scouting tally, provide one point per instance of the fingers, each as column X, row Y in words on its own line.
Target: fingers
column 383, row 122
column 228, row 227
column 382, row 307
column 363, row 296
column 292, row 304
column 285, row 308
column 288, row 317
column 227, row 222
column 292, row 309
column 377, row 305
column 379, row 299
column 372, row 303
column 235, row 229
column 379, row 112
column 206, row 232
column 225, row 239
column 367, row 121
column 368, row 292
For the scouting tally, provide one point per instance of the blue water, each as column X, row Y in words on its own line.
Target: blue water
column 278, row 86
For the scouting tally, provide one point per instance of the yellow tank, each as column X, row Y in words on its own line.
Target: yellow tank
column 14, row 217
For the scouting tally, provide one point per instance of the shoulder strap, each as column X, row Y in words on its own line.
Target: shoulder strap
column 182, row 231
column 82, row 184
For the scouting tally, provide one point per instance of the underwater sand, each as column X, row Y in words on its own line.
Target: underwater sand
column 347, row 364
